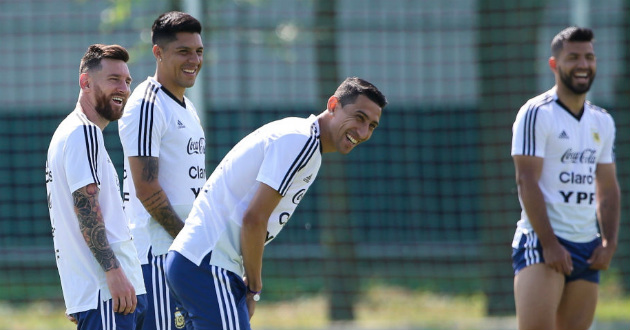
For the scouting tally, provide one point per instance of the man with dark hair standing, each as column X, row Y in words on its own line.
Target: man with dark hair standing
column 215, row 263
column 98, row 264
column 562, row 148
column 164, row 146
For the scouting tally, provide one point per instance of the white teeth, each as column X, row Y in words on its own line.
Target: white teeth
column 117, row 99
column 351, row 139
column 189, row 71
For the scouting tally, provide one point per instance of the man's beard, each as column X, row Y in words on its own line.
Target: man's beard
column 104, row 108
column 576, row 88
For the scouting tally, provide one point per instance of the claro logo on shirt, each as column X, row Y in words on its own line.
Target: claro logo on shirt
column 197, row 147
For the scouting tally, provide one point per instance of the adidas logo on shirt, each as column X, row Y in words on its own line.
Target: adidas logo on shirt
column 563, row 135
column 180, row 124
column 308, row 178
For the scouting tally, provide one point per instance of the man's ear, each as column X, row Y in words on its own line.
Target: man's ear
column 157, row 52
column 553, row 64
column 332, row 103
column 84, row 81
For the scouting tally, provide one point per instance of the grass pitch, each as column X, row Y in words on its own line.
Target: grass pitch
column 381, row 308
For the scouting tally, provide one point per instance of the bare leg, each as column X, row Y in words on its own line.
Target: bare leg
column 537, row 293
column 577, row 307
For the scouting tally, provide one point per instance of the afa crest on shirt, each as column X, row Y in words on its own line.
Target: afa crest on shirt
column 596, row 137
column 180, row 323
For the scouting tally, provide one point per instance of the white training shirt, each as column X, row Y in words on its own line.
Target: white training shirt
column 285, row 155
column 156, row 124
column 571, row 148
column 76, row 158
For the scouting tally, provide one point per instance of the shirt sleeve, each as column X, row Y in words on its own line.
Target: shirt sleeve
column 529, row 132
column 608, row 149
column 141, row 126
column 81, row 157
column 283, row 158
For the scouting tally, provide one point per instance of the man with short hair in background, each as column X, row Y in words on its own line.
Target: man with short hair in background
column 98, row 264
column 215, row 263
column 562, row 148
column 164, row 146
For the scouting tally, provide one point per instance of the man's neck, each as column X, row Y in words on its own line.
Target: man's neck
column 324, row 132
column 574, row 102
column 90, row 112
column 178, row 92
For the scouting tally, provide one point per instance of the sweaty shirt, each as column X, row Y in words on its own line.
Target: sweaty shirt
column 571, row 148
column 285, row 155
column 156, row 124
column 76, row 158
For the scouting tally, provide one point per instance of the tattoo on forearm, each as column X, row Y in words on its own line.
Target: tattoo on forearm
column 162, row 211
column 150, row 170
column 92, row 226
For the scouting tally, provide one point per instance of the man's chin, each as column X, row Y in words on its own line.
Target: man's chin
column 345, row 151
column 581, row 89
column 111, row 115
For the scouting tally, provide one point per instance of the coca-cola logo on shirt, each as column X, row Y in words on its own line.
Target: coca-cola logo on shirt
column 586, row 156
column 197, row 147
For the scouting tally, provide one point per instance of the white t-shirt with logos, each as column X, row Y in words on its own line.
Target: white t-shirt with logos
column 76, row 158
column 156, row 124
column 285, row 155
column 571, row 148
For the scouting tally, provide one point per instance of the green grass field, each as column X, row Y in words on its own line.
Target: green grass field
column 381, row 308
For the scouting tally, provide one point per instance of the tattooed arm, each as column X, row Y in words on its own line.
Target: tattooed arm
column 92, row 227
column 144, row 171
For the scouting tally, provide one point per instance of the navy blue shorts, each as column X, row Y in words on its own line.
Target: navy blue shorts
column 214, row 298
column 529, row 252
column 104, row 317
column 164, row 312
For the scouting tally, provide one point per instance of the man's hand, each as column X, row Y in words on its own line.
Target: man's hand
column 251, row 305
column 123, row 294
column 72, row 319
column 558, row 258
column 601, row 257
column 249, row 299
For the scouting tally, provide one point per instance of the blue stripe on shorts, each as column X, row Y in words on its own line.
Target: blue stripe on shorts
column 530, row 252
column 104, row 317
column 213, row 297
column 164, row 312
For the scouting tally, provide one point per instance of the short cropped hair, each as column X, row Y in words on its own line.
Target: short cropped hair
column 352, row 87
column 572, row 34
column 95, row 53
column 166, row 27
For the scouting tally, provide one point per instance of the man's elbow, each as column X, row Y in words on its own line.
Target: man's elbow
column 147, row 190
column 253, row 220
column 525, row 179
